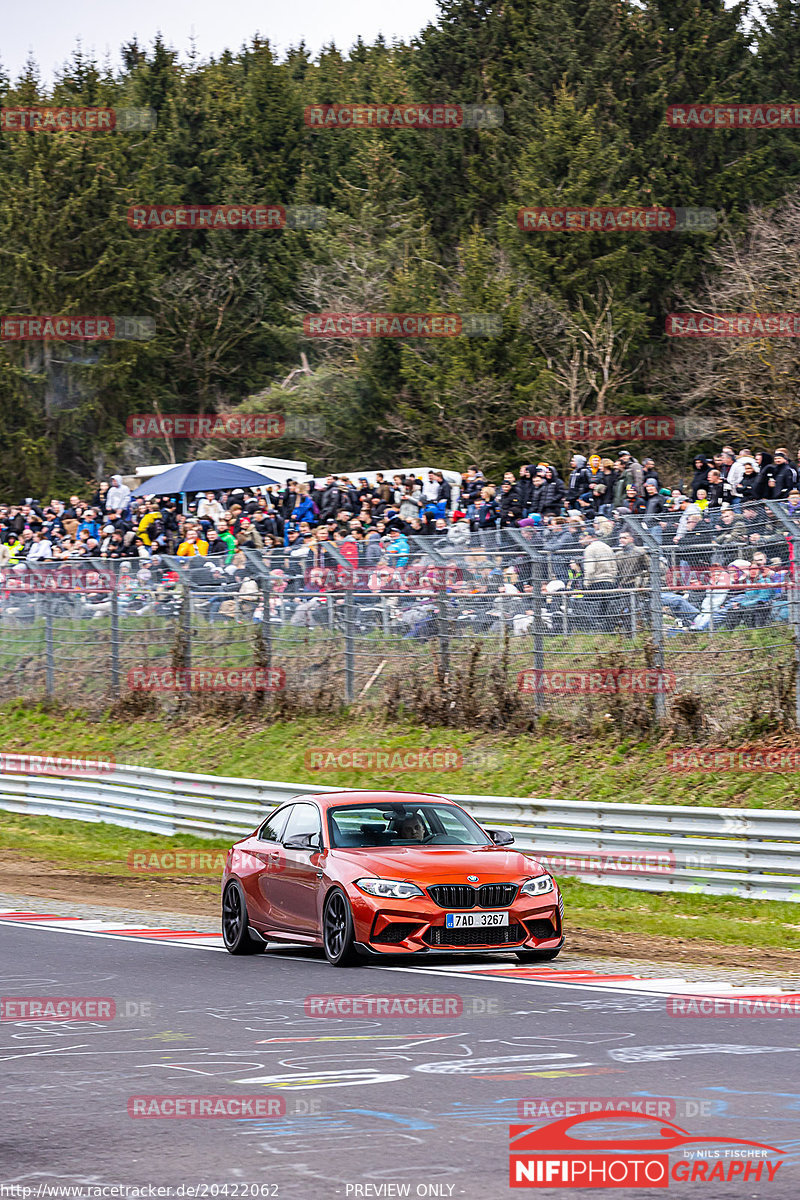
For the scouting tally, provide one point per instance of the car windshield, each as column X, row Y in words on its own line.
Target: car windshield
column 410, row 824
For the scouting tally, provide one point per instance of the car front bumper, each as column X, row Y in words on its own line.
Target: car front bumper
column 418, row 926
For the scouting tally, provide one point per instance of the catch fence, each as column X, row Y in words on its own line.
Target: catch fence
column 658, row 618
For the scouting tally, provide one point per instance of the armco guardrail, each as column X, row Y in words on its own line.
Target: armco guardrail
column 717, row 851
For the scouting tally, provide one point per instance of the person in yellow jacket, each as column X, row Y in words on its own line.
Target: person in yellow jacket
column 193, row 545
column 150, row 517
column 11, row 552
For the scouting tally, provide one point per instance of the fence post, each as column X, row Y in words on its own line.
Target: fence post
column 792, row 592
column 639, row 528
column 186, row 635
column 657, row 628
column 50, row 658
column 443, row 628
column 115, row 632
column 349, row 639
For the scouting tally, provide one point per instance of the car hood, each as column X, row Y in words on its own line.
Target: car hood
column 450, row 863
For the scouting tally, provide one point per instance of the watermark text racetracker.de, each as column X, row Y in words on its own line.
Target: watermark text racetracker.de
column 258, row 218
column 206, row 679
column 733, row 325
column 62, row 328
column 54, row 764
column 80, row 119
column 219, row 1108
column 625, row 219
column 611, row 427
column 780, row 760
column 416, row 1005
column 602, row 681
column 401, row 325
column 419, row 115
column 72, row 1008
column 769, row 1005
column 401, row 758
column 225, row 425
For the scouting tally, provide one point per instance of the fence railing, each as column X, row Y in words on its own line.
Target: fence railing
column 749, row 853
column 704, row 609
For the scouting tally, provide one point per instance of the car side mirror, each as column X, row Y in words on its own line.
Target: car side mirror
column 303, row 841
column 500, row 837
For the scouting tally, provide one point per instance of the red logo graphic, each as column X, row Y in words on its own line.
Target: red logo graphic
column 167, row 679
column 57, row 1008
column 552, row 1157
column 600, row 681
column 384, row 1006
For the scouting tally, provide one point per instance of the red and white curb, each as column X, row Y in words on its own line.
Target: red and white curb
column 87, row 927
column 554, row 977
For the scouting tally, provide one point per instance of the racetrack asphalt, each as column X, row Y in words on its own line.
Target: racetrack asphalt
column 374, row 1105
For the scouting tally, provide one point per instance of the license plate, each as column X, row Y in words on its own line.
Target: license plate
column 475, row 920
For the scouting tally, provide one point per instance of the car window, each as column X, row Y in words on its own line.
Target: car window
column 395, row 824
column 304, row 819
column 273, row 827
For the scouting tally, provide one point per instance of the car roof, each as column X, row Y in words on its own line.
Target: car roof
column 329, row 799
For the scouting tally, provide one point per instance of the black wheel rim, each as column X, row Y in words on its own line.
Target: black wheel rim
column 231, row 916
column 335, row 925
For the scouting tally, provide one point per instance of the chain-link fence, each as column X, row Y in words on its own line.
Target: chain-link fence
column 636, row 620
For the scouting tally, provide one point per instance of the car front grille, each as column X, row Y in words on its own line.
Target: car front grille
column 398, row 931
column 492, row 935
column 462, row 895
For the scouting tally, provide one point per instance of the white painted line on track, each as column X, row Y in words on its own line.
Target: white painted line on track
column 586, row 981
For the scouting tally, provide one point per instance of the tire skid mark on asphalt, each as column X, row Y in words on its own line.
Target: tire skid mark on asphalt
column 584, row 980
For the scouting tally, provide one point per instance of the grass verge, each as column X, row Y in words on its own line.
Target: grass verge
column 604, row 768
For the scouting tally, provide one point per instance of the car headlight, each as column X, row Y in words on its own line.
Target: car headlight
column 393, row 889
column 535, row 887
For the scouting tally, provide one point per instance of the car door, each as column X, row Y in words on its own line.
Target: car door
column 295, row 884
column 266, row 853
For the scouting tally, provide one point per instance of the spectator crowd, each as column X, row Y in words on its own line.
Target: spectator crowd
column 723, row 556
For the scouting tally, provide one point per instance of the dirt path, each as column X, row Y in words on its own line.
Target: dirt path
column 20, row 876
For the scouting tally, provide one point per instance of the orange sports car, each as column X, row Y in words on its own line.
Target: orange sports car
column 372, row 873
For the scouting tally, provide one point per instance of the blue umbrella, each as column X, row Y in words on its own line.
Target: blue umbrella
column 207, row 475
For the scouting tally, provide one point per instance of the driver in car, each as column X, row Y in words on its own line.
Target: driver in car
column 412, row 829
